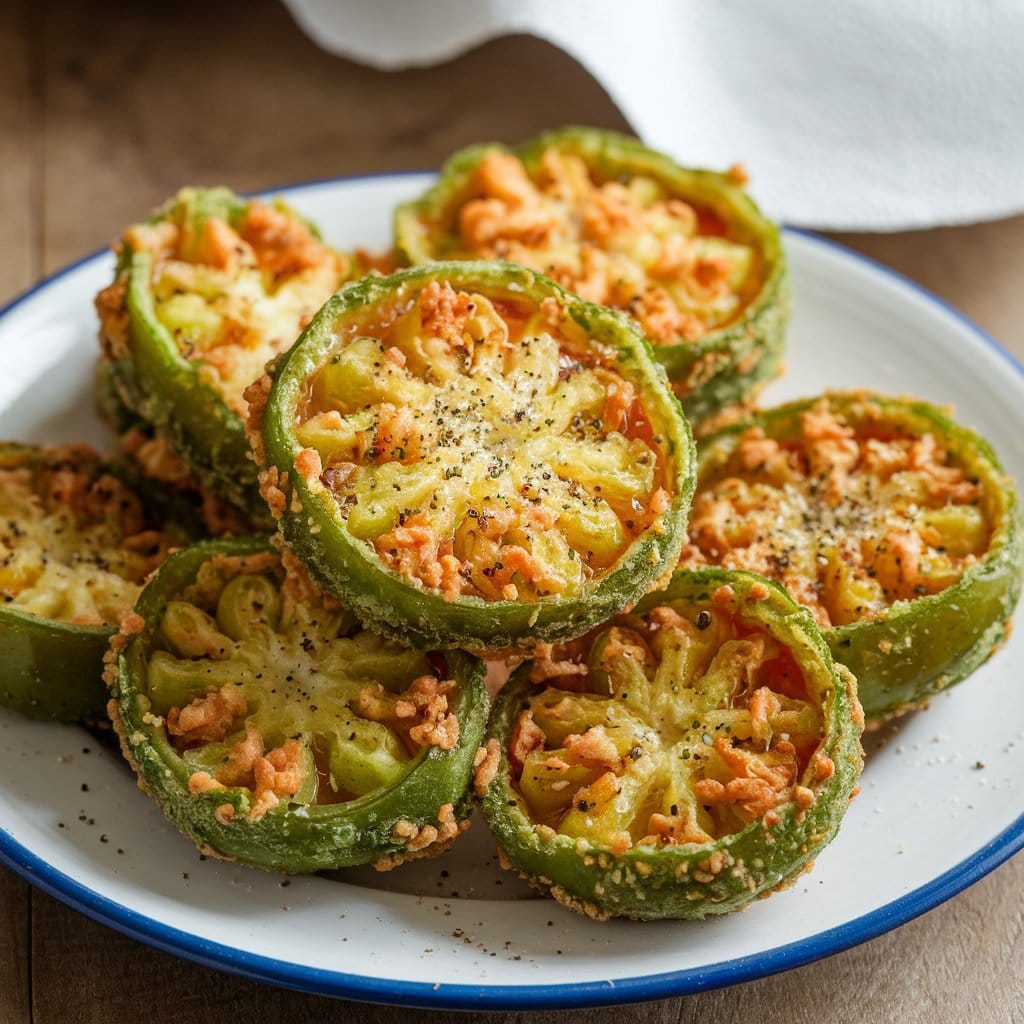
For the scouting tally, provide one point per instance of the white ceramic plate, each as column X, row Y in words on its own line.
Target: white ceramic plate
column 456, row 931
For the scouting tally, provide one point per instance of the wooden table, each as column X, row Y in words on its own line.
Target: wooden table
column 107, row 108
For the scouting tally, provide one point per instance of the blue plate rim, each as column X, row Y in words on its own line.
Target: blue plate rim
column 38, row 872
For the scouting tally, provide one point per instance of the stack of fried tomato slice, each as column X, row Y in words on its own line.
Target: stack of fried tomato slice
column 207, row 290
column 271, row 728
column 892, row 523
column 679, row 761
column 75, row 548
column 470, row 456
column 684, row 252
column 146, row 457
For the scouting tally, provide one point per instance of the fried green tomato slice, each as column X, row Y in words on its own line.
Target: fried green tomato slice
column 684, row 252
column 679, row 761
column 896, row 527
column 207, row 290
column 272, row 729
column 76, row 544
column 470, row 456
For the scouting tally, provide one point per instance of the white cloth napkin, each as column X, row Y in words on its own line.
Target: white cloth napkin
column 869, row 114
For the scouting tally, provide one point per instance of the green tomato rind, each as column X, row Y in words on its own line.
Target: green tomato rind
column 159, row 385
column 924, row 646
column 724, row 368
column 648, row 883
column 352, row 571
column 52, row 670
column 310, row 838
column 168, row 391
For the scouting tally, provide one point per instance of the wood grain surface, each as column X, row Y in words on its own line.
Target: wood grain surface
column 20, row 263
column 105, row 109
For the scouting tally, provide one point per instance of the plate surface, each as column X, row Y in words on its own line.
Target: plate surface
column 942, row 795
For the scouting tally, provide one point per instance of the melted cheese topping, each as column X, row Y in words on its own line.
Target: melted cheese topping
column 847, row 518
column 233, row 295
column 678, row 726
column 481, row 448
column 74, row 543
column 627, row 244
